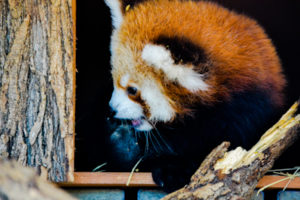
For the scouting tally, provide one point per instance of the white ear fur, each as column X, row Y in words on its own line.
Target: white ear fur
column 116, row 13
column 161, row 58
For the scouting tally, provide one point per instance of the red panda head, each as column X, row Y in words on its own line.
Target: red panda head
column 168, row 55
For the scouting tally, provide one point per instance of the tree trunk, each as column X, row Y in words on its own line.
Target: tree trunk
column 235, row 174
column 37, row 77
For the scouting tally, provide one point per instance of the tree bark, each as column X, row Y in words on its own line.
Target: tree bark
column 37, row 80
column 235, row 174
column 17, row 182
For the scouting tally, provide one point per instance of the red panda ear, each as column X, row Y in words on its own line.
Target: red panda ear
column 159, row 57
column 116, row 11
column 119, row 8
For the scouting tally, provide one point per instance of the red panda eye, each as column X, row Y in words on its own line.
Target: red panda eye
column 131, row 91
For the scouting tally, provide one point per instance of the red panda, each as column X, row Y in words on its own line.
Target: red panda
column 194, row 71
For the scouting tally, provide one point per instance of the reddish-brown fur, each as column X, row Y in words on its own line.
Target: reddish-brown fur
column 240, row 55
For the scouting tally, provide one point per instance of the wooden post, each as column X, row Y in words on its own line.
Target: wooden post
column 37, row 80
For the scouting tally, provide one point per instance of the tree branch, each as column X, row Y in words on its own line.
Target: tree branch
column 235, row 174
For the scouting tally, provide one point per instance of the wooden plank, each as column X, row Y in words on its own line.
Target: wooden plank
column 70, row 143
column 144, row 179
column 108, row 179
column 266, row 180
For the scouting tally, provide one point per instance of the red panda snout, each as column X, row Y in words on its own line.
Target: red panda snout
column 144, row 105
column 124, row 107
column 127, row 109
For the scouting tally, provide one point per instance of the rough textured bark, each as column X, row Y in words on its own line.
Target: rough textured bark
column 17, row 182
column 37, row 85
column 235, row 174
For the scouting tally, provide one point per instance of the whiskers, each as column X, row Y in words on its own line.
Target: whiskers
column 155, row 140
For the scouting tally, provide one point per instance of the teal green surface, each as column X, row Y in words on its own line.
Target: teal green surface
column 97, row 194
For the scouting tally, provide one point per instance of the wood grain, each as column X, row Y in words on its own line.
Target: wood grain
column 235, row 174
column 37, row 85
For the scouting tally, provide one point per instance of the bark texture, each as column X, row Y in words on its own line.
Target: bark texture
column 234, row 175
column 37, row 85
column 17, row 182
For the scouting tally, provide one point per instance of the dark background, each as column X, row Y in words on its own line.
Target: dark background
column 280, row 18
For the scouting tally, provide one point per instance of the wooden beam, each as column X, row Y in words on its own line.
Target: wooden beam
column 110, row 179
column 144, row 179
column 266, row 180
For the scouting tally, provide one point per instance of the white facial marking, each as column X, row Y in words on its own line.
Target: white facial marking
column 124, row 107
column 145, row 126
column 161, row 58
column 116, row 12
column 160, row 108
column 124, row 80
